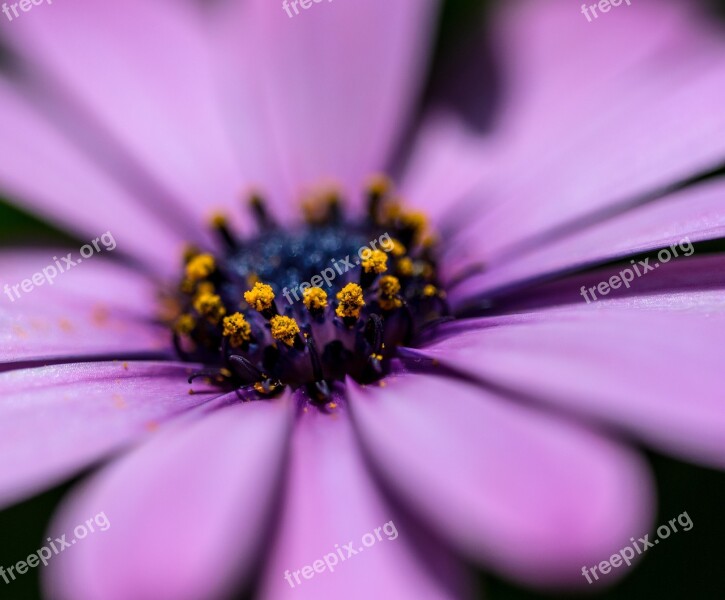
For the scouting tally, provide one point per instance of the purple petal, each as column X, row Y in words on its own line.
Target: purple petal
column 97, row 308
column 331, row 501
column 530, row 495
column 695, row 214
column 71, row 191
column 334, row 83
column 57, row 420
column 650, row 365
column 187, row 510
column 603, row 128
column 157, row 99
column 446, row 163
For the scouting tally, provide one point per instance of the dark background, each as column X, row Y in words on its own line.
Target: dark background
column 690, row 565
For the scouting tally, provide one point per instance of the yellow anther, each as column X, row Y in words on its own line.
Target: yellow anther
column 405, row 267
column 205, row 287
column 430, row 290
column 189, row 252
column 389, row 288
column 314, row 298
column 210, row 306
column 237, row 330
column 200, row 267
column 415, row 220
column 184, row 325
column 284, row 329
column 375, row 262
column 260, row 297
column 398, row 249
column 379, row 185
column 350, row 300
column 219, row 220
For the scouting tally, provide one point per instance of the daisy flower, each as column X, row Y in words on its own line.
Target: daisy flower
column 490, row 323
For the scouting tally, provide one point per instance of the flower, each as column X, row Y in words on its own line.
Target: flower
column 500, row 434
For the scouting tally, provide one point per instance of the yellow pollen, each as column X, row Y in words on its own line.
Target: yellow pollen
column 389, row 288
column 219, row 220
column 189, row 252
column 237, row 330
column 379, row 185
column 260, row 297
column 315, row 298
column 210, row 306
column 415, row 220
column 398, row 249
column 205, row 287
column 350, row 300
column 184, row 325
column 200, row 267
column 375, row 262
column 284, row 329
column 430, row 290
column 405, row 267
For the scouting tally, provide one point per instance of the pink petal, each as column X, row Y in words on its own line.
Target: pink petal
column 47, row 175
column 693, row 215
column 335, row 83
column 97, row 308
column 446, row 164
column 587, row 132
column 157, row 99
column 187, row 510
column 650, row 365
column 530, row 495
column 330, row 501
column 57, row 420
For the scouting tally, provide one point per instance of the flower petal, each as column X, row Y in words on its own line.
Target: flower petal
column 693, row 215
column 533, row 496
column 46, row 174
column 336, row 83
column 636, row 111
column 187, row 510
column 331, row 501
column 98, row 308
column 156, row 99
column 57, row 420
column 651, row 365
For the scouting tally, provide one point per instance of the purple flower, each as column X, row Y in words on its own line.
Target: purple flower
column 483, row 398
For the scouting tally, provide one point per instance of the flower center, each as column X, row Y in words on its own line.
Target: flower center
column 312, row 305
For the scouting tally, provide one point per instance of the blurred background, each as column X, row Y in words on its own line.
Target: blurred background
column 690, row 565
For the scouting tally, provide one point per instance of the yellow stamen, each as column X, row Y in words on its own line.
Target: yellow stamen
column 379, row 185
column 398, row 249
column 405, row 267
column 219, row 220
column 200, row 267
column 284, row 329
column 314, row 298
column 184, row 325
column 189, row 252
column 260, row 297
column 210, row 306
column 237, row 330
column 389, row 288
column 430, row 290
column 350, row 300
column 375, row 262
